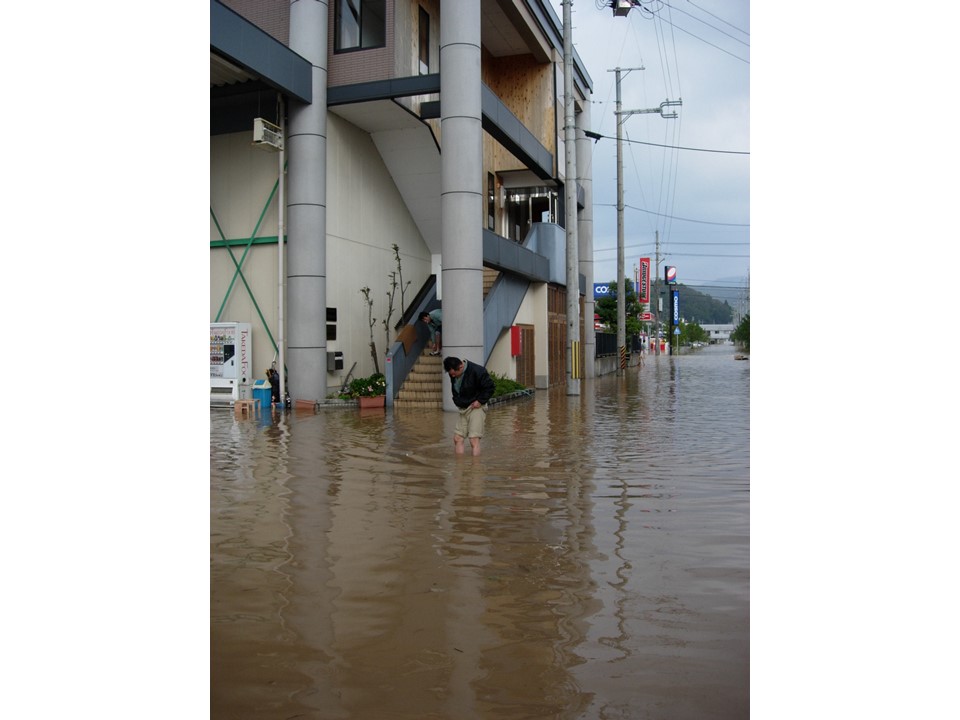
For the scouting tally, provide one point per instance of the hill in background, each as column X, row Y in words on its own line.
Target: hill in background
column 701, row 307
column 737, row 294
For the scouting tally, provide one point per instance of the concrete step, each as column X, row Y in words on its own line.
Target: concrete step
column 489, row 278
column 423, row 387
column 416, row 405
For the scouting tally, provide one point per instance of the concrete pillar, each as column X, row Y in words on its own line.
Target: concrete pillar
column 307, row 210
column 585, row 237
column 461, row 184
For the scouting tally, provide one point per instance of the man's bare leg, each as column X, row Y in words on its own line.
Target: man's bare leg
column 458, row 444
column 475, row 444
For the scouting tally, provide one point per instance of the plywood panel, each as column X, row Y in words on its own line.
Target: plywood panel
column 526, row 87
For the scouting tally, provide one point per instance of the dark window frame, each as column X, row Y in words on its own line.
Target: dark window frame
column 331, row 323
column 424, row 49
column 491, row 202
column 366, row 10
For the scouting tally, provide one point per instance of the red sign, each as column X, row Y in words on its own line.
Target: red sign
column 515, row 340
column 644, row 289
column 646, row 317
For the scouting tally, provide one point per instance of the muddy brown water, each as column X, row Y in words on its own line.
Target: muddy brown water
column 592, row 562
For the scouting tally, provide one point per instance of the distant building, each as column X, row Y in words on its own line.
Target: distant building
column 718, row 334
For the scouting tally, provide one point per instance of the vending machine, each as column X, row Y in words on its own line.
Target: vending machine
column 231, row 362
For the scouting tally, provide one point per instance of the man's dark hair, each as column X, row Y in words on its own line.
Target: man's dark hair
column 451, row 363
column 425, row 316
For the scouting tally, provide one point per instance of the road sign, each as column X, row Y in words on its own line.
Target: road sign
column 646, row 317
column 676, row 331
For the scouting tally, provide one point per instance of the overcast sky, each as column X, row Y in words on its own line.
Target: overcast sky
column 699, row 201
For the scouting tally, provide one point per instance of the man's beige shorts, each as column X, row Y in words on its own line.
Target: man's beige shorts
column 471, row 421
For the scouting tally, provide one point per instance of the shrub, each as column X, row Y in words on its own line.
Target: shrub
column 504, row 385
column 371, row 386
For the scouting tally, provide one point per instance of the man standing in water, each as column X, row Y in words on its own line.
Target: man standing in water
column 472, row 387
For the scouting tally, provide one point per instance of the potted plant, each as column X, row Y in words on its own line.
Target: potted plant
column 370, row 391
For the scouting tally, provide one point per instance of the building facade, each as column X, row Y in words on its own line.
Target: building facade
column 396, row 186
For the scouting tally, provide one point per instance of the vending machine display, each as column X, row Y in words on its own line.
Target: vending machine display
column 231, row 362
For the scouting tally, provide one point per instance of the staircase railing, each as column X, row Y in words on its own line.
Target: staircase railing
column 399, row 362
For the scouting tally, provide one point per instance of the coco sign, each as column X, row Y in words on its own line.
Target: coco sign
column 603, row 290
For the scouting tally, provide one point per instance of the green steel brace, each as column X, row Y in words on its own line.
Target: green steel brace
column 239, row 272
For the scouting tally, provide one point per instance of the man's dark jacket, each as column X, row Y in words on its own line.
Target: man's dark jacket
column 477, row 385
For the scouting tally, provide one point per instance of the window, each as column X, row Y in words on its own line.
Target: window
column 331, row 323
column 525, row 206
column 491, row 204
column 424, row 42
column 360, row 24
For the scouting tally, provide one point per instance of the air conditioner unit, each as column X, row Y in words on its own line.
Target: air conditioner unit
column 266, row 135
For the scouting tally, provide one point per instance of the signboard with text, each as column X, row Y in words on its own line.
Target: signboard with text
column 644, row 280
column 603, row 290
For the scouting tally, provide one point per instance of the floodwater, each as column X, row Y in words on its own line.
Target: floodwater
column 592, row 562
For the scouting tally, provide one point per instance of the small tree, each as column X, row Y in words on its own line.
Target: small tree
column 741, row 336
column 391, row 294
column 371, row 320
column 403, row 286
column 396, row 281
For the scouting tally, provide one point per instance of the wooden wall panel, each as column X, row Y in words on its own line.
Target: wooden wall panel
column 526, row 87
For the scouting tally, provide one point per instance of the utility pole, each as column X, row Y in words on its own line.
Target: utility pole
column 570, row 185
column 621, row 291
column 656, row 309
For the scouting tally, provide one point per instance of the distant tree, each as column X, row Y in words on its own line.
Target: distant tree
column 695, row 305
column 691, row 333
column 741, row 336
column 606, row 308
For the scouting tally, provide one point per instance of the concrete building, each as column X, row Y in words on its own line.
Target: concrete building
column 719, row 334
column 332, row 125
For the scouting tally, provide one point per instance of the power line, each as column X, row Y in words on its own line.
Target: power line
column 712, row 27
column 672, row 217
column 672, row 242
column 673, row 254
column 662, row 19
column 718, row 18
column 596, row 136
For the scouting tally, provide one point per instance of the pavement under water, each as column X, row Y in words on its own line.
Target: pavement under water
column 592, row 562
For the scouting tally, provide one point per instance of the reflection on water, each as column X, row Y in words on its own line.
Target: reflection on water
column 591, row 563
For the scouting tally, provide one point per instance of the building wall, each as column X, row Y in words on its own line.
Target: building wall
column 526, row 87
column 365, row 217
column 533, row 311
column 271, row 16
column 365, row 213
column 241, row 180
column 356, row 66
column 407, row 36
